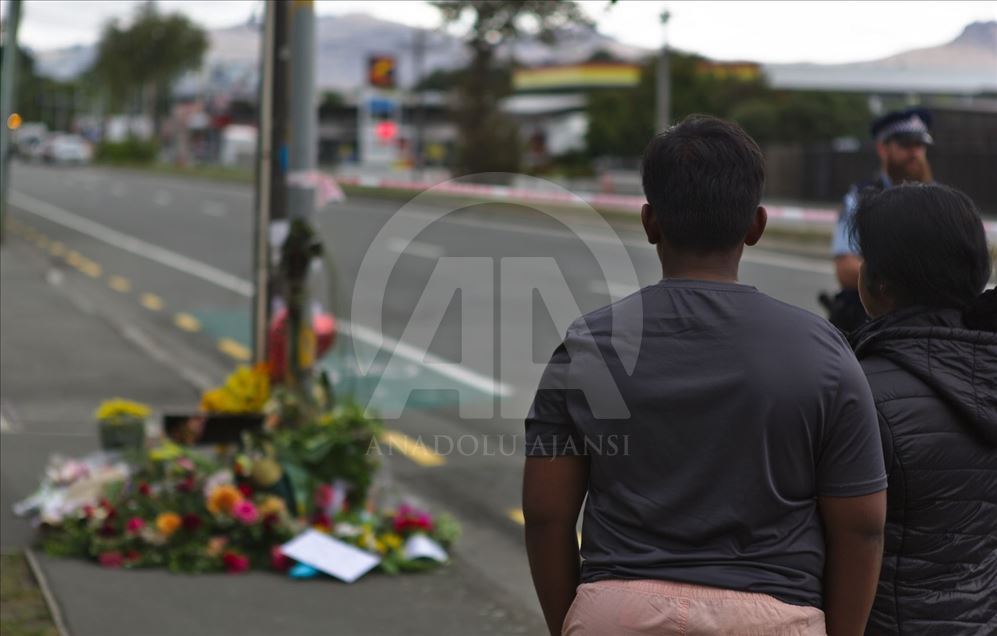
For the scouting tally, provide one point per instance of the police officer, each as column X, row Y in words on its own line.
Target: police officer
column 902, row 138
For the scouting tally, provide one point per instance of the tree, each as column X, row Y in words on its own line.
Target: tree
column 488, row 141
column 622, row 121
column 144, row 58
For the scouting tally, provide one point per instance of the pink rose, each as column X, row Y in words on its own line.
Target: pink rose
column 323, row 496
column 246, row 512
column 135, row 525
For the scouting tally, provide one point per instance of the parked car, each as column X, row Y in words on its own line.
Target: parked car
column 63, row 148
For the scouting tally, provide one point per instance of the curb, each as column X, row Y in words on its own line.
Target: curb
column 50, row 601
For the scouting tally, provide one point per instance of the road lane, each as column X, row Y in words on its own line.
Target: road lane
column 187, row 240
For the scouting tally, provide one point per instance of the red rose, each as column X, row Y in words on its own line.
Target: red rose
column 246, row 490
column 108, row 508
column 187, row 485
column 191, row 522
column 278, row 560
column 321, row 519
column 144, row 489
column 133, row 556
column 87, row 511
column 135, row 525
column 111, row 559
column 107, row 530
column 235, row 563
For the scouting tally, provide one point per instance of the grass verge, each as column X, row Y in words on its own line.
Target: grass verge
column 23, row 611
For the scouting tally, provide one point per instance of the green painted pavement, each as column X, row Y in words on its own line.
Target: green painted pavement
column 397, row 390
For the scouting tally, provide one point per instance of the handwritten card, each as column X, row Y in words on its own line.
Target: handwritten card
column 329, row 555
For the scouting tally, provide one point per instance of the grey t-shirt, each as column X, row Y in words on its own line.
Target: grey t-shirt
column 742, row 411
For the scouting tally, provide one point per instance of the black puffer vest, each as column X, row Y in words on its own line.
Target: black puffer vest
column 935, row 386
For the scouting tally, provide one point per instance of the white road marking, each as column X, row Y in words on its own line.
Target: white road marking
column 460, row 374
column 416, row 248
column 131, row 244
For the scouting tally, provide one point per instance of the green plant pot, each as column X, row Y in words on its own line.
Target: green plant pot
column 124, row 435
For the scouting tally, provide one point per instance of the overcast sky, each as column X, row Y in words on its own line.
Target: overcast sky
column 825, row 32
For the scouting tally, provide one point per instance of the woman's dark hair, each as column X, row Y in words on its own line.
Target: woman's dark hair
column 925, row 243
column 703, row 178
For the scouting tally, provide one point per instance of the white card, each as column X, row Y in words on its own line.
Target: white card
column 420, row 546
column 329, row 555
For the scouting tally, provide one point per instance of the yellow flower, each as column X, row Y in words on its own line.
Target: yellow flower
column 168, row 522
column 391, row 541
column 120, row 409
column 272, row 506
column 367, row 539
column 223, row 499
column 166, row 451
column 246, row 390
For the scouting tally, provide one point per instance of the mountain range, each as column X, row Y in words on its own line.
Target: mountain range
column 967, row 64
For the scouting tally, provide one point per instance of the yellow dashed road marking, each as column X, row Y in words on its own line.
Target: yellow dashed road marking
column 151, row 302
column 74, row 258
column 57, row 249
column 187, row 322
column 413, row 449
column 91, row 269
column 42, row 242
column 233, row 349
column 119, row 284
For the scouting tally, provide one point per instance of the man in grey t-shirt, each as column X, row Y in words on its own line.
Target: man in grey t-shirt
column 748, row 461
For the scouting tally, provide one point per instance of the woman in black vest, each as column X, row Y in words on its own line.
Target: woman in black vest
column 930, row 355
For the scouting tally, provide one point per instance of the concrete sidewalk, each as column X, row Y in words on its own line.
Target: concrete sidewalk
column 59, row 357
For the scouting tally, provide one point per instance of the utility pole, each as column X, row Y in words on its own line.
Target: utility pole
column 419, row 143
column 278, row 131
column 664, row 79
column 8, row 88
column 301, row 245
column 264, row 176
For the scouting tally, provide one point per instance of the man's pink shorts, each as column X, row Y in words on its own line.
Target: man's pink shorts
column 621, row 608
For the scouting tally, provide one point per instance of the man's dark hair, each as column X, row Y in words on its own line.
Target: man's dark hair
column 925, row 242
column 703, row 179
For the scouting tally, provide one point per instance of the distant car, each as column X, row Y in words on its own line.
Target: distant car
column 62, row 148
column 29, row 138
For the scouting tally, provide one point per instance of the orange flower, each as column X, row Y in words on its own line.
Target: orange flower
column 223, row 499
column 167, row 523
column 272, row 506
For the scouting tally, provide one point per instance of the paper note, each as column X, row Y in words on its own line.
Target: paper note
column 419, row 546
column 329, row 555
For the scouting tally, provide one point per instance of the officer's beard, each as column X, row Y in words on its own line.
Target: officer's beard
column 911, row 170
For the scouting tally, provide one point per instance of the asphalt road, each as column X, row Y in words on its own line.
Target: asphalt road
column 173, row 258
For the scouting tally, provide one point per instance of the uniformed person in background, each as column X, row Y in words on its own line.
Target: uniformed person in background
column 902, row 138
